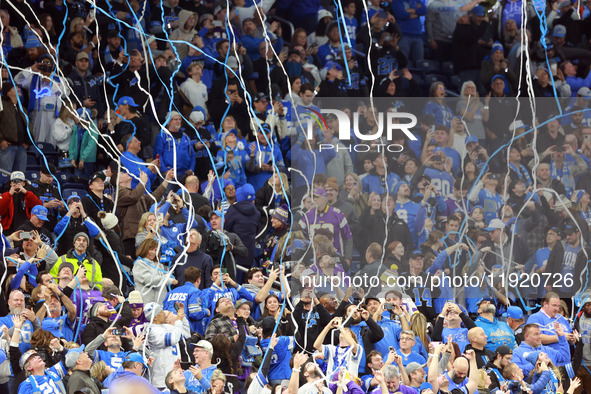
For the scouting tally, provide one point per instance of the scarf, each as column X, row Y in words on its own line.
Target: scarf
column 563, row 176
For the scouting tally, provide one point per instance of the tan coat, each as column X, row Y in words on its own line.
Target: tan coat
column 132, row 204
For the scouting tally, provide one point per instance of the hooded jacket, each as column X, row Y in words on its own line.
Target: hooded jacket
column 177, row 153
column 182, row 34
column 243, row 220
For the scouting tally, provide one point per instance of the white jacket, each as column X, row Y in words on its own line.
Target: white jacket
column 163, row 342
column 149, row 278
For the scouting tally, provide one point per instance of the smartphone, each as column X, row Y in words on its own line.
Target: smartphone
column 389, row 307
column 587, row 138
column 176, row 306
column 435, row 343
column 158, row 156
column 391, row 348
column 26, row 235
column 119, row 332
column 224, row 271
column 217, row 23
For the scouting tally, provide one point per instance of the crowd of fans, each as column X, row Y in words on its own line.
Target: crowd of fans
column 175, row 218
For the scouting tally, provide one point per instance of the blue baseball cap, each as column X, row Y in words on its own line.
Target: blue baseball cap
column 578, row 194
column 559, row 31
column 245, row 192
column 126, row 100
column 41, row 212
column 425, row 386
column 514, row 312
column 136, row 357
column 480, row 301
column 478, row 10
column 216, row 212
column 470, row 138
column 330, row 64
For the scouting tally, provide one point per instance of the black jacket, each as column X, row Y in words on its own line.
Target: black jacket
column 309, row 327
column 482, row 356
column 243, row 220
column 555, row 264
column 194, row 259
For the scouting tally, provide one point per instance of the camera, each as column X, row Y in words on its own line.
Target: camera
column 26, row 235
column 45, row 68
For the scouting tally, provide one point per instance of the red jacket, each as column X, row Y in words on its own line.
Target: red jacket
column 7, row 207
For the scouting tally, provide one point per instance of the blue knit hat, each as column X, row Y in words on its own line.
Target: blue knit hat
column 245, row 193
column 32, row 41
column 533, row 357
column 497, row 46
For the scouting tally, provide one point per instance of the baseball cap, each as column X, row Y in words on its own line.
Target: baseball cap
column 425, row 386
column 330, row 64
column 560, row 30
column 41, row 212
column 415, row 254
column 17, row 176
column 204, row 345
column 323, row 14
column 504, row 349
column 478, row 10
column 26, row 356
column 216, row 212
column 570, row 229
column 411, row 367
column 495, row 224
column 577, row 195
column 584, row 92
column 241, row 302
column 136, row 357
column 320, row 192
column 470, row 138
column 480, row 301
column 126, row 100
column 232, row 62
column 81, row 55
column 517, row 124
column 514, row 312
column 72, row 196
column 72, row 356
column 562, row 4
column 259, row 96
column 97, row 175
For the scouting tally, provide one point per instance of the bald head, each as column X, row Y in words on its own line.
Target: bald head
column 192, row 184
column 477, row 337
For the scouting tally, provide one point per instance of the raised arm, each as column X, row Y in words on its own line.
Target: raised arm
column 334, row 323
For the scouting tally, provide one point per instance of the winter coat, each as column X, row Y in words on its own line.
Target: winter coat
column 182, row 34
column 131, row 205
column 174, row 153
column 9, row 116
column 243, row 219
column 149, row 278
column 86, row 150
column 7, row 207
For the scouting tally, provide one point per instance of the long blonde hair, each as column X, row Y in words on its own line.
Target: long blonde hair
column 418, row 325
